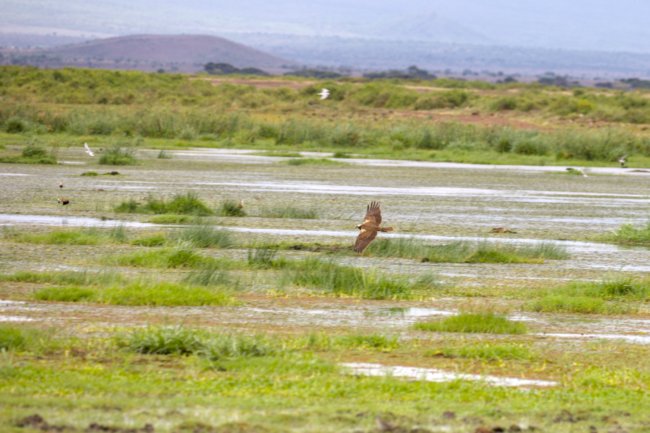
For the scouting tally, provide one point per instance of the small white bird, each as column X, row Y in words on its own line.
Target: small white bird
column 324, row 93
column 622, row 160
column 88, row 151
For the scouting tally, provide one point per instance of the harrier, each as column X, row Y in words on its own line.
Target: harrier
column 369, row 227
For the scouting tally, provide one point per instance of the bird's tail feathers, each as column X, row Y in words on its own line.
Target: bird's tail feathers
column 386, row 229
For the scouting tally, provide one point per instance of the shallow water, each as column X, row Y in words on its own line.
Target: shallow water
column 435, row 375
column 69, row 221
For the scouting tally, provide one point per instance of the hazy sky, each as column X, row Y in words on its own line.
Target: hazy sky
column 620, row 25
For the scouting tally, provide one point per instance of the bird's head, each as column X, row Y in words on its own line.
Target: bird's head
column 359, row 226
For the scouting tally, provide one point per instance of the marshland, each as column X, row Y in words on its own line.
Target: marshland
column 202, row 277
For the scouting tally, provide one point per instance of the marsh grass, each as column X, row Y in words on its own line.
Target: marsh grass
column 180, row 204
column 628, row 234
column 488, row 323
column 616, row 296
column 265, row 258
column 231, row 208
column 466, row 252
column 209, row 276
column 166, row 294
column 203, row 236
column 89, row 174
column 31, row 154
column 14, row 338
column 168, row 218
column 287, row 211
column 65, row 277
column 154, row 240
column 181, row 341
column 166, row 258
column 331, row 278
column 65, row 294
column 150, row 293
column 118, row 155
column 487, row 352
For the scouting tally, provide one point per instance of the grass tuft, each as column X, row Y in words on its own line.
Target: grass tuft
column 488, row 323
column 466, row 252
column 329, row 277
column 118, row 155
column 231, row 208
column 289, row 212
column 203, row 236
column 180, row 204
column 627, row 234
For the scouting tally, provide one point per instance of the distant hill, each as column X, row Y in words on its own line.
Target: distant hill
column 176, row 53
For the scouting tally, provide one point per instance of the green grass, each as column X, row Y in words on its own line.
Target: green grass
column 331, row 278
column 231, row 208
column 628, row 234
column 182, row 341
column 289, row 212
column 264, row 258
column 155, row 240
column 167, row 258
column 180, row 204
column 487, row 323
column 118, row 155
column 140, row 293
column 616, row 296
column 64, row 277
column 65, row 294
column 465, row 252
column 487, row 352
column 167, row 218
column 577, row 304
column 89, row 174
column 211, row 275
column 203, row 236
column 31, row 154
column 166, row 294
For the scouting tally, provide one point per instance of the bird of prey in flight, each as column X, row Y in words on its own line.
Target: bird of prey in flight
column 369, row 227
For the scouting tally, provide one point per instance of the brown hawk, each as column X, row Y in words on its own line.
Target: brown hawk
column 369, row 227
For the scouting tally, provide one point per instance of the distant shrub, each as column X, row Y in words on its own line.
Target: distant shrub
column 118, row 155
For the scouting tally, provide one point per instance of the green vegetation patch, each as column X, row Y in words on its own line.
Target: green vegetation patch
column 466, row 252
column 167, row 258
column 140, row 293
column 628, row 234
column 288, row 212
column 338, row 280
column 488, row 323
column 31, row 154
column 169, row 218
column 232, row 208
column 181, row 341
column 180, row 204
column 203, row 236
column 486, row 351
column 118, row 155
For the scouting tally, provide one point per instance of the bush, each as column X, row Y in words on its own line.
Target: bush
column 118, row 155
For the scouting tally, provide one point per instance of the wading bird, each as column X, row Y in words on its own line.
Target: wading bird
column 623, row 161
column 63, row 201
column 88, row 151
column 369, row 227
column 324, row 93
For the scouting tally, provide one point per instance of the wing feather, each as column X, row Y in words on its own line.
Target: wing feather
column 364, row 238
column 373, row 214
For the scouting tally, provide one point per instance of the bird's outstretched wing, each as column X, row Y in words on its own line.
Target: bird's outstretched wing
column 324, row 93
column 88, row 151
column 364, row 238
column 373, row 213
